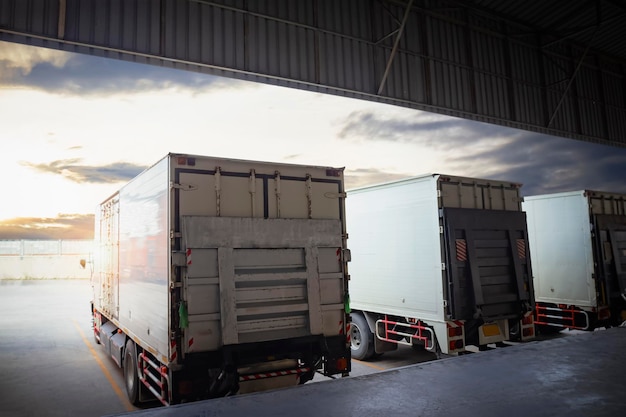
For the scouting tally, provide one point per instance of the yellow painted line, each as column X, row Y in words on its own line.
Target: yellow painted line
column 378, row 368
column 105, row 371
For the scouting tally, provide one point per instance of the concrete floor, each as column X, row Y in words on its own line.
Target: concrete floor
column 582, row 375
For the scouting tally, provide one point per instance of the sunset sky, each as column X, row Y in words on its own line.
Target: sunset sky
column 75, row 128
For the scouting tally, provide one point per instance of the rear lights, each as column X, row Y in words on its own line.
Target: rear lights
column 456, row 344
column 334, row 366
column 183, row 160
column 455, row 331
column 342, row 364
column 456, row 338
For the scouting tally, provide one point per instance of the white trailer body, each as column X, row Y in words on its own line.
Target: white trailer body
column 437, row 260
column 578, row 246
column 216, row 274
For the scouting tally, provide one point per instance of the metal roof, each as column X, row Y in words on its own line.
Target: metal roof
column 598, row 24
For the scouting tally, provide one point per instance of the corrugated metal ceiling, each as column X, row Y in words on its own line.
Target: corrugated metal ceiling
column 561, row 20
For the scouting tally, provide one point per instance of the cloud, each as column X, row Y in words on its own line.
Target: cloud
column 544, row 164
column 68, row 73
column 547, row 164
column 418, row 128
column 19, row 60
column 355, row 178
column 64, row 226
column 74, row 171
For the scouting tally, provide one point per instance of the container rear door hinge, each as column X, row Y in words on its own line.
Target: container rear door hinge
column 174, row 234
column 335, row 195
column 443, row 267
column 441, row 230
column 179, row 259
column 184, row 187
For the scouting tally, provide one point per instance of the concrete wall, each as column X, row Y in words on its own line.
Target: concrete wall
column 45, row 259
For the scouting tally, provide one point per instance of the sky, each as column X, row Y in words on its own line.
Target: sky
column 75, row 128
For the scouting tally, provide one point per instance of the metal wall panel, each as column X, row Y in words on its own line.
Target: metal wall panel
column 555, row 67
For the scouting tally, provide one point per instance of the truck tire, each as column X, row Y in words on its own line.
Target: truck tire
column 131, row 376
column 361, row 338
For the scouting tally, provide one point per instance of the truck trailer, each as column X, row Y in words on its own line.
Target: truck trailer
column 438, row 262
column 217, row 276
column 578, row 247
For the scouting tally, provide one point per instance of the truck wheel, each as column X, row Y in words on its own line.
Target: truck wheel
column 361, row 338
column 131, row 377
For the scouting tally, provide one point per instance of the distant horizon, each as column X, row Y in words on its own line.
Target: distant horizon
column 82, row 227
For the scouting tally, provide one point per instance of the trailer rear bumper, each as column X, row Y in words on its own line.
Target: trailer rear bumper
column 562, row 316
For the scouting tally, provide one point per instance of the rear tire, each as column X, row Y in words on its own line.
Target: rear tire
column 131, row 376
column 361, row 338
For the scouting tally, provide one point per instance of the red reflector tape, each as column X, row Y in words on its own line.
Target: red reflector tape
column 173, row 349
column 461, row 250
column 456, row 344
column 521, row 248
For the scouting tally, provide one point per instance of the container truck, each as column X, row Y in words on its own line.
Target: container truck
column 578, row 247
column 219, row 276
column 438, row 262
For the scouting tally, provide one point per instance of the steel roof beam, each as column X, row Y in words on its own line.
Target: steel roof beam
column 395, row 46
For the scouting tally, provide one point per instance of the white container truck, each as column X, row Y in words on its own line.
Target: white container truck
column 218, row 276
column 578, row 247
column 438, row 261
